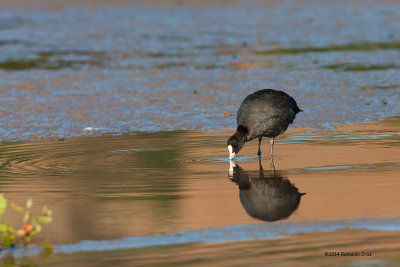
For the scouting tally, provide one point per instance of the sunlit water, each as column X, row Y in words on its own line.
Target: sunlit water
column 174, row 67
column 167, row 188
column 115, row 117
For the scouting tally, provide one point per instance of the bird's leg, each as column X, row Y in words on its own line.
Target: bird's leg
column 259, row 146
column 271, row 142
column 272, row 166
column 260, row 167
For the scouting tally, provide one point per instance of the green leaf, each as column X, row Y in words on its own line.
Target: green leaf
column 6, row 228
column 8, row 241
column 17, row 208
column 29, row 203
column 47, row 246
column 38, row 228
column 44, row 219
column 3, row 228
column 3, row 204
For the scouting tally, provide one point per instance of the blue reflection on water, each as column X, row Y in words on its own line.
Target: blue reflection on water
column 226, row 234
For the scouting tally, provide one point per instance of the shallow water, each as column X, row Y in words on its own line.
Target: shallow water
column 145, row 184
column 77, row 70
column 375, row 249
column 116, row 116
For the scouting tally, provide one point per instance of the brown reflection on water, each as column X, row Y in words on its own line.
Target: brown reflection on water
column 143, row 183
column 99, row 187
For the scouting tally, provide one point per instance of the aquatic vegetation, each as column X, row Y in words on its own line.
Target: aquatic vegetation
column 54, row 60
column 359, row 67
column 361, row 46
column 26, row 63
column 32, row 225
column 171, row 65
column 380, row 87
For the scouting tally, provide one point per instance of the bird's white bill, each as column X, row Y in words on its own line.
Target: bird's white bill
column 231, row 166
column 231, row 154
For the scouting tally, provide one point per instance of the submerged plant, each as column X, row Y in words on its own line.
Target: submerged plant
column 11, row 237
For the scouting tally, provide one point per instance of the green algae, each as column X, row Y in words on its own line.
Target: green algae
column 358, row 46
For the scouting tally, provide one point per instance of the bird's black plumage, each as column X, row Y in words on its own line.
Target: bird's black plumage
column 265, row 113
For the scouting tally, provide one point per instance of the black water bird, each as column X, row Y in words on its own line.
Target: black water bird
column 266, row 113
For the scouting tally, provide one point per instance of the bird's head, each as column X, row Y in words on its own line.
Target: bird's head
column 235, row 144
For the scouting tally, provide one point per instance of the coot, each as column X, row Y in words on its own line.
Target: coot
column 266, row 113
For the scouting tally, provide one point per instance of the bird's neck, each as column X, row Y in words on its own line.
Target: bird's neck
column 242, row 132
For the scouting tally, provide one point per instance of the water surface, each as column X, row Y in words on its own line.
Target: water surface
column 141, row 184
column 115, row 115
column 169, row 181
column 82, row 69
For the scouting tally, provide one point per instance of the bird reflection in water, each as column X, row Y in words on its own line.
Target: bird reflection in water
column 265, row 195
